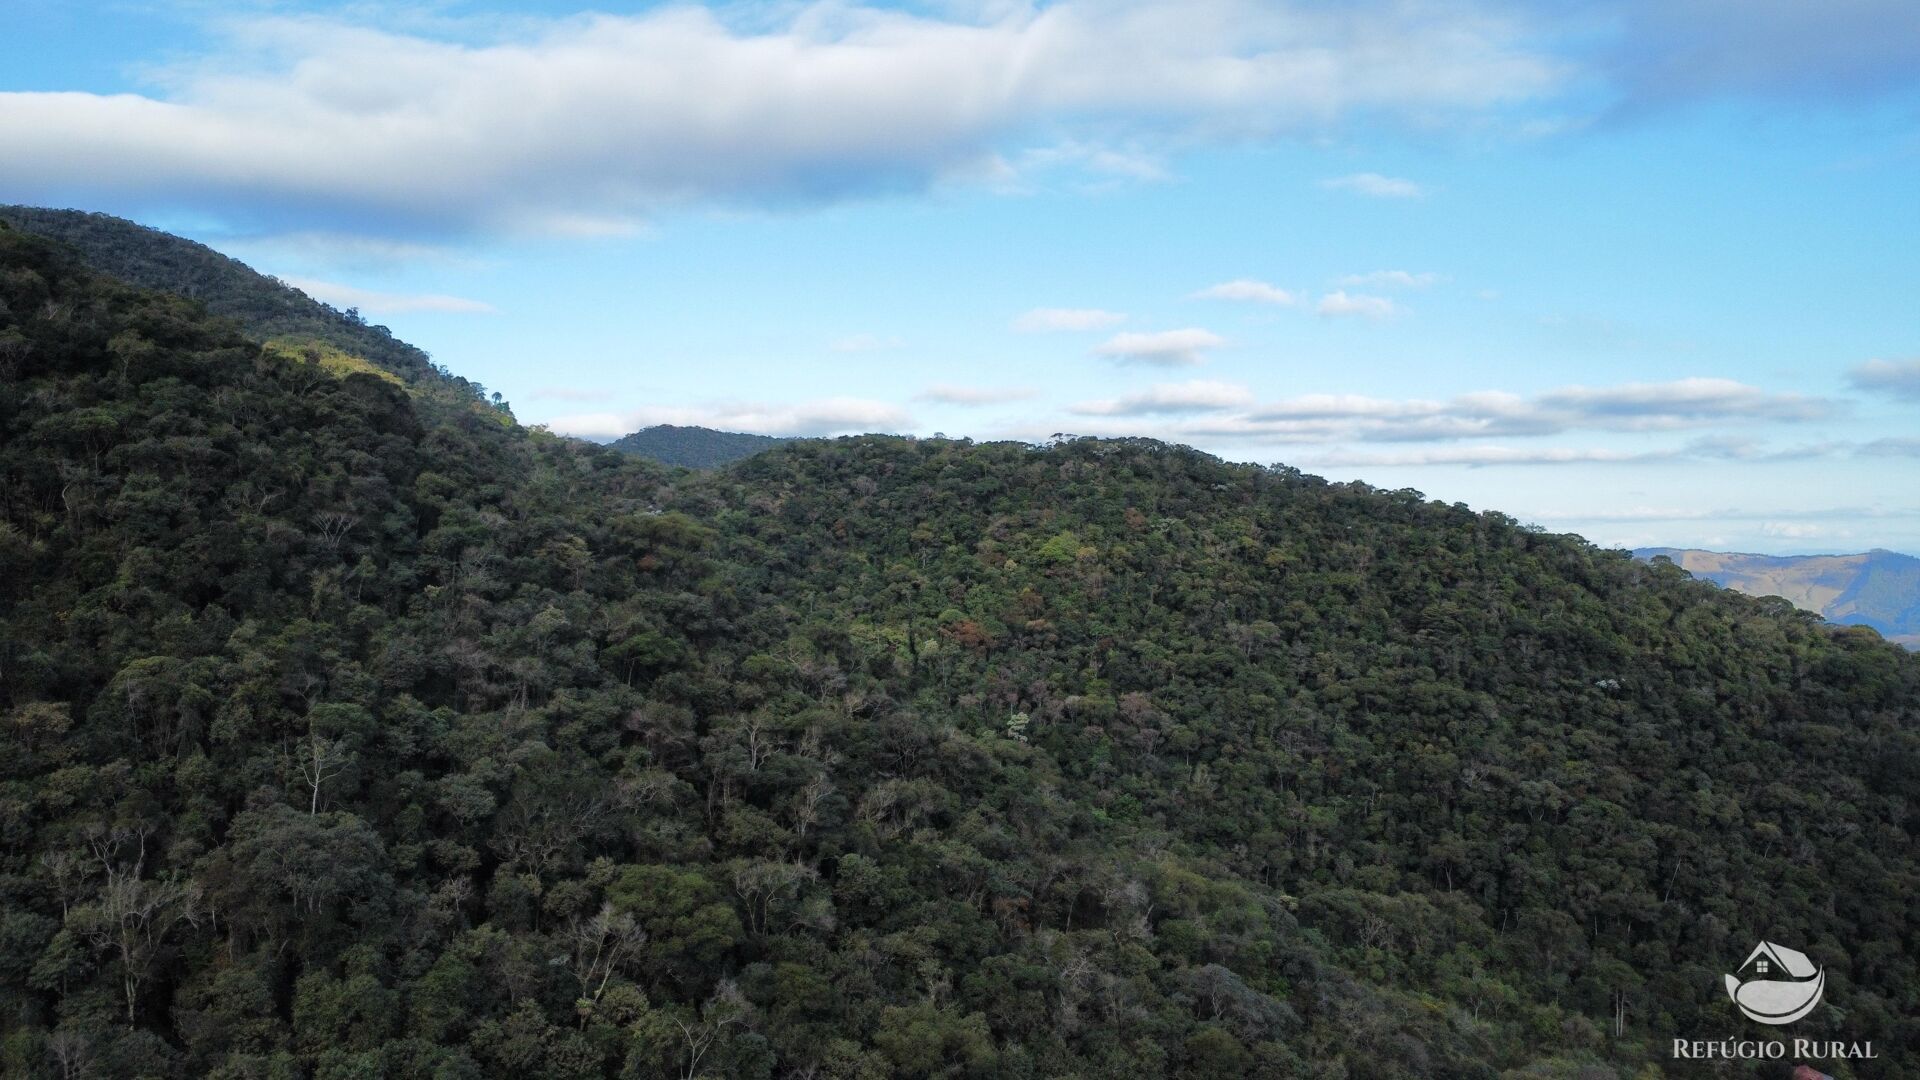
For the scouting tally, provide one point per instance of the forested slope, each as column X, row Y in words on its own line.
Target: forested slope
column 353, row 730
column 265, row 307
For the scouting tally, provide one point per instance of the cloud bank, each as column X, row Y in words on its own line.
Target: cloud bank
column 580, row 126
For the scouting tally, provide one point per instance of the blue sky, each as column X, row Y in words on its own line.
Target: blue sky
column 1643, row 271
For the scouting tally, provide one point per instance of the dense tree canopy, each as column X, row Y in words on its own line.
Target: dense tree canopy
column 354, row 730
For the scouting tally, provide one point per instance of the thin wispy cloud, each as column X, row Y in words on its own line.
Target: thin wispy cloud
column 1198, row 395
column 1047, row 320
column 1633, row 407
column 1895, row 378
column 1163, row 348
column 1341, row 304
column 950, row 394
column 1245, row 289
column 1639, row 406
column 373, row 302
column 1891, row 447
column 1374, row 185
column 1480, row 455
column 1391, row 279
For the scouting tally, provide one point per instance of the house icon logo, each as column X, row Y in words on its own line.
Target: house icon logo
column 1777, row 985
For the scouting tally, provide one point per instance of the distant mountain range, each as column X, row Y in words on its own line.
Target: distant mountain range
column 1877, row 588
column 694, row 447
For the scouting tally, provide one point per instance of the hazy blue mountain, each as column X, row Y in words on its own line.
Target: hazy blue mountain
column 1877, row 588
column 694, row 447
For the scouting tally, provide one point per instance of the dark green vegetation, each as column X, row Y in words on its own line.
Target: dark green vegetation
column 1877, row 588
column 265, row 308
column 693, row 447
column 354, row 731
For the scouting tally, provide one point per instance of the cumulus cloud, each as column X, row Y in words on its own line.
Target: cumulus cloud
column 589, row 124
column 828, row 416
column 1044, row 320
column 385, row 303
column 1340, row 304
column 1163, row 348
column 1898, row 378
column 1375, row 186
column 1397, row 279
column 950, row 394
column 1197, row 395
column 1258, row 292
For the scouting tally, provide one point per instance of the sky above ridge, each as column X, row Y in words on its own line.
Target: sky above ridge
column 1640, row 270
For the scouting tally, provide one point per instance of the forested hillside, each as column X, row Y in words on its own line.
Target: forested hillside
column 693, row 447
column 353, row 730
column 264, row 307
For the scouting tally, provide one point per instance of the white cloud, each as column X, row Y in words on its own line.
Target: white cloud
column 1044, row 320
column 1899, row 378
column 949, row 394
column 1097, row 160
column 1164, row 348
column 867, row 343
column 1245, row 289
column 1198, row 395
column 1478, row 456
column 1641, row 406
column 1800, row 530
column 1632, row 407
column 384, row 303
column 828, row 416
column 1376, row 186
column 1397, row 279
column 1340, row 304
column 590, row 124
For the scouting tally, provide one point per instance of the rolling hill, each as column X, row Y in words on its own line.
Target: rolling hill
column 354, row 729
column 693, row 447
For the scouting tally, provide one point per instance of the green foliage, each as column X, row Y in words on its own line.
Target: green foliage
column 354, row 730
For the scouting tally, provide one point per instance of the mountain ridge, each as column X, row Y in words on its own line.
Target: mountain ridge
column 1877, row 588
column 358, row 730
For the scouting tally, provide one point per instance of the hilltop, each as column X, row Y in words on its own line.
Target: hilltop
column 1877, row 588
column 356, row 730
column 693, row 447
